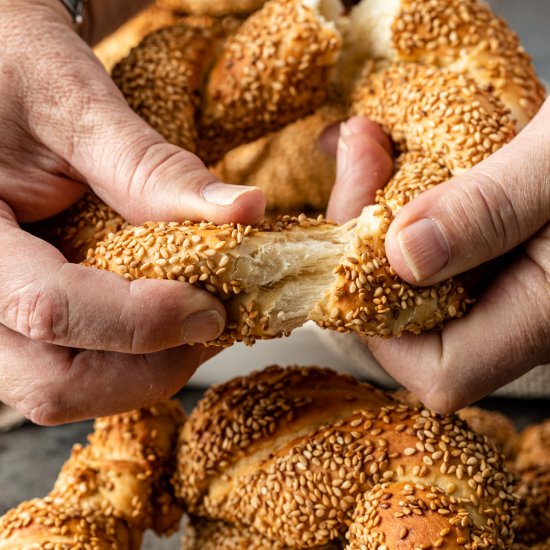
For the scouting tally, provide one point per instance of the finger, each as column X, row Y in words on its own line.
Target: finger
column 54, row 385
column 328, row 140
column 477, row 216
column 85, row 120
column 363, row 167
column 49, row 300
column 504, row 336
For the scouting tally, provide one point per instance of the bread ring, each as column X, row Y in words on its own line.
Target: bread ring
column 272, row 279
column 461, row 35
column 109, row 491
column 301, row 454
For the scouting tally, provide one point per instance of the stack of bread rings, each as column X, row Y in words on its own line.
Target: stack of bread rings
column 296, row 458
column 447, row 80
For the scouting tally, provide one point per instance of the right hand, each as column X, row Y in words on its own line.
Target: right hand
column 65, row 127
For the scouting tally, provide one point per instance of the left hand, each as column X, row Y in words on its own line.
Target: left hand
column 501, row 204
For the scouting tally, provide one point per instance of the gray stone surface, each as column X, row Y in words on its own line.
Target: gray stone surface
column 30, row 457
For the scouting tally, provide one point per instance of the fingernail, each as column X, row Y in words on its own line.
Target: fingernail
column 202, row 326
column 223, row 194
column 424, row 248
column 343, row 157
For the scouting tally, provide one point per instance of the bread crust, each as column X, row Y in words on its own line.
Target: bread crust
column 395, row 475
column 109, row 491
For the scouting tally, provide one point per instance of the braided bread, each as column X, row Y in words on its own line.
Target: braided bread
column 288, row 459
column 108, row 492
column 302, row 455
column 221, row 83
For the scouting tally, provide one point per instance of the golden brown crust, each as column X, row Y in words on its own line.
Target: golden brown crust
column 412, row 515
column 462, row 36
column 161, row 76
column 213, row 7
column 435, row 112
column 272, row 72
column 466, row 36
column 496, row 427
column 289, row 167
column 201, row 534
column 534, row 447
column 81, row 227
column 42, row 524
column 533, row 523
column 118, row 45
column 257, row 414
column 108, row 492
column 304, row 490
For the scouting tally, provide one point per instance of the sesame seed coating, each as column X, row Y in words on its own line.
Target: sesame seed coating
column 398, row 475
column 82, row 226
column 435, row 112
column 119, row 44
column 496, row 427
column 466, row 36
column 201, row 534
column 272, row 72
column 161, row 76
column 109, row 491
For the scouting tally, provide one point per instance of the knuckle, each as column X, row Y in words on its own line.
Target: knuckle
column 44, row 406
column 40, row 314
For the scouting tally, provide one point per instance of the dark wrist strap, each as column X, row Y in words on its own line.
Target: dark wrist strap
column 76, row 9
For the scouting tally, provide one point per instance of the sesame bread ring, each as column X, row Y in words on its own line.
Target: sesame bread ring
column 461, row 35
column 303, row 456
column 273, row 279
column 109, row 491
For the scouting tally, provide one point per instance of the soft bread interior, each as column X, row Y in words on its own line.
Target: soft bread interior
column 368, row 36
column 289, row 273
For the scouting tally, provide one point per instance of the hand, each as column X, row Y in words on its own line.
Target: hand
column 500, row 205
column 65, row 126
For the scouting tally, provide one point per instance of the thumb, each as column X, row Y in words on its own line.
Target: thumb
column 127, row 163
column 477, row 216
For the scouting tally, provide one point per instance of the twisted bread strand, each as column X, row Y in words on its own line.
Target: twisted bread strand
column 463, row 36
column 299, row 455
column 108, row 492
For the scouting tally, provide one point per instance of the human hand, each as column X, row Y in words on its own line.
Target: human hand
column 500, row 205
column 65, row 127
